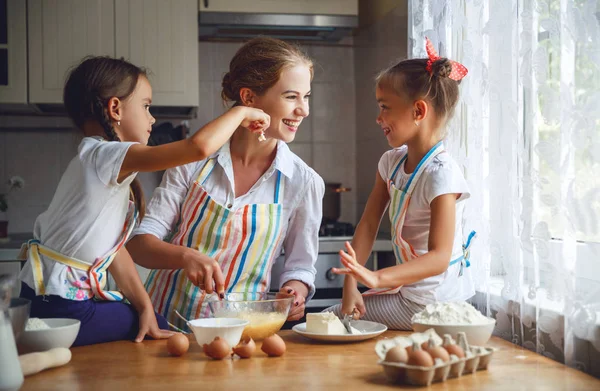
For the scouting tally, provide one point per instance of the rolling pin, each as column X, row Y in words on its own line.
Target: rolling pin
column 33, row 363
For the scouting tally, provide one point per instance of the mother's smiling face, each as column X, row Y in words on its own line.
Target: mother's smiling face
column 286, row 102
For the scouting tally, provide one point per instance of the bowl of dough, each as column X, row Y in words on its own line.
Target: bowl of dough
column 265, row 312
column 454, row 317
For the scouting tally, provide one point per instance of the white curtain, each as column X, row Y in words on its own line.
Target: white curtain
column 527, row 134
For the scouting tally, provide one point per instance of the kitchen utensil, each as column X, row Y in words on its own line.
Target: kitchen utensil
column 266, row 312
column 61, row 333
column 367, row 330
column 477, row 334
column 177, row 328
column 19, row 314
column 11, row 377
column 230, row 329
column 346, row 321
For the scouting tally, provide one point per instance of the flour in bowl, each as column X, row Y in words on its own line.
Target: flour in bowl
column 36, row 324
column 450, row 314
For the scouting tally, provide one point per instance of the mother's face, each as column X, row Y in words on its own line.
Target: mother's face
column 286, row 102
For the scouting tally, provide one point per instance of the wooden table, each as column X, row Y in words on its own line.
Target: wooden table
column 305, row 366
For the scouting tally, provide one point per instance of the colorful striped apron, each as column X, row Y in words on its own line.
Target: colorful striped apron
column 399, row 200
column 244, row 242
column 96, row 271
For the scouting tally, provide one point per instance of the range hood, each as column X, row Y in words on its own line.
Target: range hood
column 290, row 26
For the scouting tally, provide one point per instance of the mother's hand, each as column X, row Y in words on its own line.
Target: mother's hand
column 204, row 272
column 299, row 290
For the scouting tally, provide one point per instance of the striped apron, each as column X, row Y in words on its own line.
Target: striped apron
column 33, row 250
column 244, row 242
column 399, row 200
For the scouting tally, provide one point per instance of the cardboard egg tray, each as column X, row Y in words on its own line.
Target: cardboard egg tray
column 423, row 376
column 477, row 358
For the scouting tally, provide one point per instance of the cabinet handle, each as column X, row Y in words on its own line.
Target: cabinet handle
column 205, row 3
column 330, row 275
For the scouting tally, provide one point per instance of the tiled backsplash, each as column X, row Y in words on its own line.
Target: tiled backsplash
column 339, row 139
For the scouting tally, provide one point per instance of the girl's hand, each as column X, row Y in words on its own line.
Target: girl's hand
column 356, row 270
column 352, row 302
column 149, row 326
column 256, row 120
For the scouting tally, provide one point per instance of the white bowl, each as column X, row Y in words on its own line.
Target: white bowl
column 61, row 334
column 477, row 334
column 230, row 329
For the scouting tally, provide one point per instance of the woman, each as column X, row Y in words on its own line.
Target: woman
column 228, row 217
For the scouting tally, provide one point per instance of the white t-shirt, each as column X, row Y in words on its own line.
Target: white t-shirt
column 85, row 218
column 441, row 176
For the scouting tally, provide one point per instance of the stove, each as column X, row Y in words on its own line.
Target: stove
column 335, row 229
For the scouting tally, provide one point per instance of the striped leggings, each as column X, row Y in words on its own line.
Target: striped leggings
column 394, row 311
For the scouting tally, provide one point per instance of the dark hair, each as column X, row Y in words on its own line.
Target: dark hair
column 410, row 79
column 89, row 87
column 258, row 64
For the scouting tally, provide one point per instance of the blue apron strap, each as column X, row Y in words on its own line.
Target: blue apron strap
column 278, row 187
column 467, row 253
column 437, row 148
column 397, row 167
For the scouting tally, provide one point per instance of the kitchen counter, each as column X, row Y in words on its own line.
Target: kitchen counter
column 10, row 249
column 333, row 244
column 305, row 366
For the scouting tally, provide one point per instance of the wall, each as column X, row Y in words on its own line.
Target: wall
column 375, row 48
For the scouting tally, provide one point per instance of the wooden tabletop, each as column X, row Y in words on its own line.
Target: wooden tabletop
column 306, row 365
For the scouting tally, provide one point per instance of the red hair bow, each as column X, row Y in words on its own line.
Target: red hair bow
column 458, row 70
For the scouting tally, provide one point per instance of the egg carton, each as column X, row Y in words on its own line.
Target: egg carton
column 477, row 358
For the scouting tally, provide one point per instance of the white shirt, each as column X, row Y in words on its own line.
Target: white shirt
column 85, row 217
column 441, row 176
column 302, row 205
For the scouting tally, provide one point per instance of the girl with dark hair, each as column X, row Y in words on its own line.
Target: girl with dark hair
column 95, row 207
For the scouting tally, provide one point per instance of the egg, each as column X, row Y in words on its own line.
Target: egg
column 396, row 354
column 178, row 345
column 245, row 348
column 419, row 357
column 436, row 351
column 273, row 346
column 453, row 348
column 217, row 349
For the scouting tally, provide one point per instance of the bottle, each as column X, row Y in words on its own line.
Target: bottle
column 11, row 376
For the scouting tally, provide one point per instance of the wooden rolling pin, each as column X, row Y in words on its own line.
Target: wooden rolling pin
column 33, row 363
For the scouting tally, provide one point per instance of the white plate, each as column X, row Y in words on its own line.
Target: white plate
column 368, row 330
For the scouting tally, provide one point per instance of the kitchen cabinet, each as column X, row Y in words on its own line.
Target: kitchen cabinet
column 13, row 51
column 327, row 7
column 162, row 36
column 61, row 33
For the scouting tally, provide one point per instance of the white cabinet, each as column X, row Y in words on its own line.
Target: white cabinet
column 162, row 36
column 326, row 7
column 13, row 52
column 61, row 33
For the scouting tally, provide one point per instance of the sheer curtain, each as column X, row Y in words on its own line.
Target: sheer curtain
column 527, row 135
